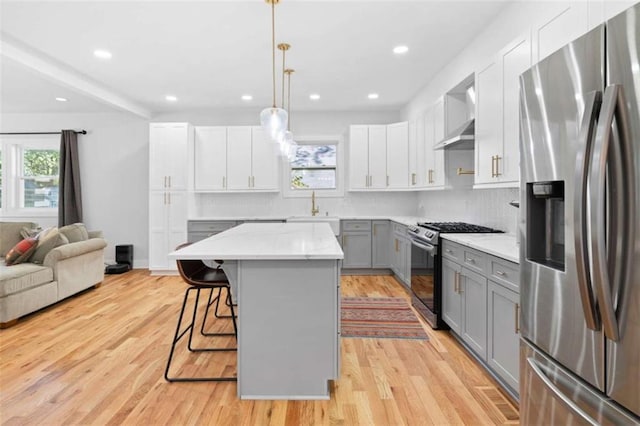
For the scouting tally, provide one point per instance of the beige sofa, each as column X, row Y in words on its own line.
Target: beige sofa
column 65, row 270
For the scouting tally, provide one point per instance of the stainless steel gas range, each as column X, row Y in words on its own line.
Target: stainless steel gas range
column 426, row 265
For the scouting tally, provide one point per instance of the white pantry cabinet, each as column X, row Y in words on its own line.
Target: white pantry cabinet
column 169, row 145
column 168, row 153
column 368, row 157
column 237, row 158
column 497, row 149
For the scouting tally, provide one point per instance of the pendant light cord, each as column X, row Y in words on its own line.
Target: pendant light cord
column 273, row 48
column 288, row 98
column 284, row 53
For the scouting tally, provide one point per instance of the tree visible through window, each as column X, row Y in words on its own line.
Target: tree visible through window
column 314, row 167
column 40, row 176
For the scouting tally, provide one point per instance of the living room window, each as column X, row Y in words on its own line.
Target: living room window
column 30, row 173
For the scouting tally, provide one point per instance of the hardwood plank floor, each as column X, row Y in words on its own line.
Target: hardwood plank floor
column 99, row 358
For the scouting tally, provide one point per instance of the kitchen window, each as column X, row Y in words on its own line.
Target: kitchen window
column 317, row 166
column 30, row 175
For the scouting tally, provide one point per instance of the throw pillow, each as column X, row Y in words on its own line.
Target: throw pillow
column 52, row 240
column 21, row 251
column 74, row 233
column 28, row 232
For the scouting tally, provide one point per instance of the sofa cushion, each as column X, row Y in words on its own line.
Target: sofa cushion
column 30, row 231
column 17, row 278
column 21, row 251
column 10, row 234
column 74, row 233
column 52, row 240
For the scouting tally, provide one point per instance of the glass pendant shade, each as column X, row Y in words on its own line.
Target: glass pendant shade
column 274, row 121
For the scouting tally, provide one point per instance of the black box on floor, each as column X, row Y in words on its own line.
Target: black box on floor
column 118, row 268
column 124, row 254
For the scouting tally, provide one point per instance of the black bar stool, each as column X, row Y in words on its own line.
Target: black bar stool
column 200, row 276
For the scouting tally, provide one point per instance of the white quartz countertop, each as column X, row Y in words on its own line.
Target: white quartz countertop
column 267, row 241
column 405, row 220
column 500, row 245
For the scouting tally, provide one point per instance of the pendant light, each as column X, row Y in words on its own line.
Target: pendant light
column 273, row 119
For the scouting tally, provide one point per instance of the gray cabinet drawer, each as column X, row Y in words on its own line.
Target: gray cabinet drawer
column 399, row 229
column 452, row 251
column 209, row 225
column 194, row 237
column 356, row 225
column 474, row 260
column 505, row 273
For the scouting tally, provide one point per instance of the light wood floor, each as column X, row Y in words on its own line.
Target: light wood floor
column 99, row 358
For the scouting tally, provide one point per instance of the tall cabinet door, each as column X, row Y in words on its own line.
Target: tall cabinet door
column 176, row 221
column 358, row 157
column 516, row 59
column 158, row 242
column 451, row 300
column 380, row 244
column 264, row 162
column 566, row 22
column 488, row 121
column 397, row 155
column 437, row 178
column 503, row 334
column 238, row 157
column 378, row 156
column 210, row 158
column 168, row 152
column 473, row 288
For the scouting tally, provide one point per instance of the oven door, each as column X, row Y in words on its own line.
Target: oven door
column 425, row 281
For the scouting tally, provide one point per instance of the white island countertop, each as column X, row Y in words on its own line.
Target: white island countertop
column 501, row 245
column 267, row 241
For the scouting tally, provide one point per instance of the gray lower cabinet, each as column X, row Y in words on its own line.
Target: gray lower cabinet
column 504, row 332
column 380, row 244
column 200, row 229
column 401, row 254
column 480, row 302
column 356, row 243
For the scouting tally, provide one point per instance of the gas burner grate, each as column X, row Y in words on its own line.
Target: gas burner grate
column 457, row 227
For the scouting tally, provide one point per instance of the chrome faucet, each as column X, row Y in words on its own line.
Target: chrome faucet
column 314, row 209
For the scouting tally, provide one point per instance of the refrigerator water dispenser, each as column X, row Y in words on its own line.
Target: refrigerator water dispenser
column 545, row 223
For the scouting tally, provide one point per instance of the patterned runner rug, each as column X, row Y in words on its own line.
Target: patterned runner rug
column 380, row 317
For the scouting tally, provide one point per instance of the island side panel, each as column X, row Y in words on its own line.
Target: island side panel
column 288, row 328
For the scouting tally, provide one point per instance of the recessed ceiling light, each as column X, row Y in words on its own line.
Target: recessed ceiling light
column 373, row 96
column 247, row 97
column 61, row 99
column 314, row 96
column 399, row 50
column 102, row 54
column 171, row 98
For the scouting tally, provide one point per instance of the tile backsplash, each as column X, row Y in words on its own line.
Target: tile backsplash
column 488, row 207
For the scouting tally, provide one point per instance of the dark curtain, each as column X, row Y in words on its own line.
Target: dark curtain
column 70, row 196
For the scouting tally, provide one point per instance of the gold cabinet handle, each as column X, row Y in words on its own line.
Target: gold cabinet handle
column 471, row 260
column 413, row 178
column 396, row 244
column 499, row 272
column 517, row 321
column 456, row 282
column 387, row 180
column 249, row 181
column 253, row 181
column 224, row 182
column 493, row 166
column 448, row 251
column 498, row 158
column 374, row 229
column 165, row 199
column 366, row 181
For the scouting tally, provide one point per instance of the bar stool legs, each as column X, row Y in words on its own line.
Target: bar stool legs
column 216, row 300
column 179, row 334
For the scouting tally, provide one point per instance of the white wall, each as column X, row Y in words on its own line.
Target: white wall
column 114, row 170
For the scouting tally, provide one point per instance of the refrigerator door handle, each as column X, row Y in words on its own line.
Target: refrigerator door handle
column 587, row 132
column 621, row 216
column 572, row 406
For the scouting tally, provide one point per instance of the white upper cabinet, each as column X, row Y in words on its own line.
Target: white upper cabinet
column 236, row 158
column 264, row 161
column 603, row 10
column 359, row 157
column 210, row 158
column 433, row 126
column 398, row 155
column 565, row 23
column 168, row 153
column 379, row 157
column 497, row 116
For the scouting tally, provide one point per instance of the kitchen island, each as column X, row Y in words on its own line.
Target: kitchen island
column 286, row 280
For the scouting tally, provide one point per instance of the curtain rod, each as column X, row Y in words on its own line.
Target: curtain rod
column 82, row 132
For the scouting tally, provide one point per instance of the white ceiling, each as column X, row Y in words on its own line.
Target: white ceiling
column 209, row 53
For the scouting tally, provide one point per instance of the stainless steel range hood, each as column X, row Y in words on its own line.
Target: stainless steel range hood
column 461, row 138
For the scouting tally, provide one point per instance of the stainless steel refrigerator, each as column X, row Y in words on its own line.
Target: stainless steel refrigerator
column 580, row 230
